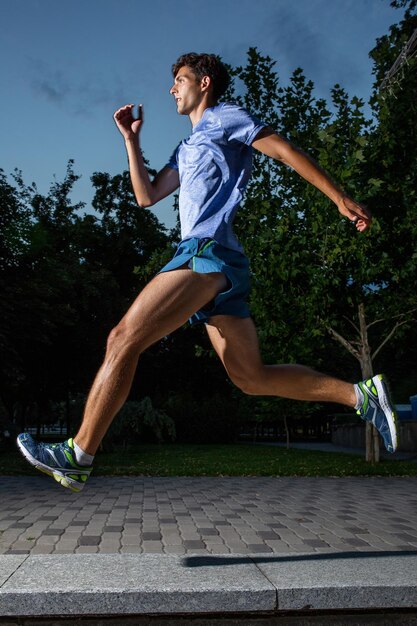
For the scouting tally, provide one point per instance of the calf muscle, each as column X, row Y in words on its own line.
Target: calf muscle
column 163, row 306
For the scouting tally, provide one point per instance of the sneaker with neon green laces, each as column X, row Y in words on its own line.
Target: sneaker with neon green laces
column 378, row 408
column 55, row 459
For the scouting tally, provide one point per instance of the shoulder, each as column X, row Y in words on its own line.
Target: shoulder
column 238, row 123
column 235, row 114
column 225, row 109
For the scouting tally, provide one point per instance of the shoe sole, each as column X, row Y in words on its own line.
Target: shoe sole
column 45, row 469
column 389, row 411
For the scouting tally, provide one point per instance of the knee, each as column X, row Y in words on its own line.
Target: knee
column 248, row 383
column 121, row 339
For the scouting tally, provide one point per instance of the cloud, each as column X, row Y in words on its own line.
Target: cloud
column 318, row 37
column 297, row 43
column 52, row 87
column 72, row 94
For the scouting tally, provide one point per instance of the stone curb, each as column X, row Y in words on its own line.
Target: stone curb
column 151, row 584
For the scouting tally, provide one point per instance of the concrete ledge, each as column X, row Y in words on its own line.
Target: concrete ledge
column 150, row 584
column 102, row 584
column 356, row 582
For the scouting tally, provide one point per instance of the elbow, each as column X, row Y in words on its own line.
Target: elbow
column 144, row 202
column 147, row 198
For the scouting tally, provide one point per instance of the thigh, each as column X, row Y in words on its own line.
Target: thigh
column 236, row 342
column 167, row 302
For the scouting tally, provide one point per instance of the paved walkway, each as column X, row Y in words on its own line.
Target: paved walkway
column 214, row 516
column 327, row 446
column 208, row 546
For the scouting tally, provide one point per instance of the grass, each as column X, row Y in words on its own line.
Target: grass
column 223, row 460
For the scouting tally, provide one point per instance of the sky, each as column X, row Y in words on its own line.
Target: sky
column 67, row 65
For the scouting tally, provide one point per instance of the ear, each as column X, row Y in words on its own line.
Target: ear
column 206, row 83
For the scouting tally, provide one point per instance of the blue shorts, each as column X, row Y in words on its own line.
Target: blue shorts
column 206, row 255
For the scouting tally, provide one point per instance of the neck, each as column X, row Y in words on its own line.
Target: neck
column 196, row 115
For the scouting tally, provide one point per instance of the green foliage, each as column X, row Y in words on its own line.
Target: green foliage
column 135, row 418
column 66, row 279
column 214, row 419
column 223, row 460
column 311, row 270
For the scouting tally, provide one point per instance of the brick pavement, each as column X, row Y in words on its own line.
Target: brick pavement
column 208, row 515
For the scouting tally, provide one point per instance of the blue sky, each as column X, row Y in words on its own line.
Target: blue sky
column 66, row 66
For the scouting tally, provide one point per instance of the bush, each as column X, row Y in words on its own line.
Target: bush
column 134, row 420
column 215, row 419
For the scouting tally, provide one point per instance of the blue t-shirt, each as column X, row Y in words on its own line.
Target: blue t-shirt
column 214, row 165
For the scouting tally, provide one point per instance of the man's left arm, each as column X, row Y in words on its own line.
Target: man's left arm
column 273, row 145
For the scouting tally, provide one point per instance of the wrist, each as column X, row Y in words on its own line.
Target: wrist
column 132, row 140
column 339, row 198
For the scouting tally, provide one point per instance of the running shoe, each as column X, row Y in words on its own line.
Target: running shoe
column 55, row 459
column 379, row 409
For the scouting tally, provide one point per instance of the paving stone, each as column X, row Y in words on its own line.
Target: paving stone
column 170, row 549
column 236, row 509
column 23, row 545
column 21, row 525
column 193, row 544
column 113, row 529
column 152, row 547
column 89, row 540
column 47, row 540
column 264, row 534
column 316, row 543
column 86, row 550
column 151, row 536
column 259, row 547
column 356, row 542
column 42, row 549
column 131, row 550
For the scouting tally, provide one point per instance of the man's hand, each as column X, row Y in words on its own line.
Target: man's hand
column 356, row 213
column 128, row 125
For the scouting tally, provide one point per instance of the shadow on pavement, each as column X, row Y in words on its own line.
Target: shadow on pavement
column 204, row 561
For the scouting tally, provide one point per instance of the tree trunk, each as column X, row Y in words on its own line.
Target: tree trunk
column 372, row 440
column 68, row 416
column 287, row 432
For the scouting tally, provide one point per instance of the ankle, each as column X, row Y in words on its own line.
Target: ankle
column 82, row 456
column 358, row 397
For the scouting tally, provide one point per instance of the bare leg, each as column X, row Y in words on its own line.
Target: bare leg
column 164, row 305
column 235, row 341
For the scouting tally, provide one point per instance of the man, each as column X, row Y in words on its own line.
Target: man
column 208, row 278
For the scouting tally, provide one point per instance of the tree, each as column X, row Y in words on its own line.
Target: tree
column 311, row 270
column 64, row 287
column 133, row 233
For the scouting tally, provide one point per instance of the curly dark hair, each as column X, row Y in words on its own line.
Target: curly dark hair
column 205, row 65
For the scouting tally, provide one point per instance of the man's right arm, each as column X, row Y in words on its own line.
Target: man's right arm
column 147, row 192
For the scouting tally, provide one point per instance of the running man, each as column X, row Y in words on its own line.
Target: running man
column 208, row 278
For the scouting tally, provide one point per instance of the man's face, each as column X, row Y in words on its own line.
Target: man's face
column 186, row 91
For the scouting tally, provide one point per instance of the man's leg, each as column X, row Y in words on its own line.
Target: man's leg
column 235, row 341
column 164, row 305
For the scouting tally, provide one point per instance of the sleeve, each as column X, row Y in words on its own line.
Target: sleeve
column 173, row 160
column 239, row 124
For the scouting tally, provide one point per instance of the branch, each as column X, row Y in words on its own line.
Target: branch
column 344, row 343
column 353, row 324
column 397, row 325
column 377, row 322
column 393, row 317
column 407, row 51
